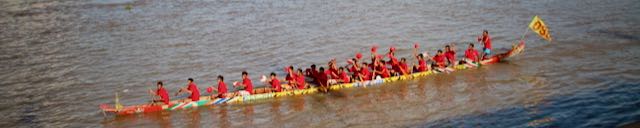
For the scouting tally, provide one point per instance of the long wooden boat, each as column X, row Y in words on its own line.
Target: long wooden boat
column 206, row 100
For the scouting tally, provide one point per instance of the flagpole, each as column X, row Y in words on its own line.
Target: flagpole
column 525, row 33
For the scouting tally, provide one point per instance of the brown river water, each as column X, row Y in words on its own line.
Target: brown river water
column 61, row 59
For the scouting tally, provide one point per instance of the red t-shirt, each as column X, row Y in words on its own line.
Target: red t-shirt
column 450, row 55
column 404, row 67
column 487, row 42
column 471, row 54
column 163, row 95
column 384, row 72
column 353, row 69
column 275, row 84
column 439, row 58
column 195, row 94
column 322, row 79
column 333, row 73
column 345, row 77
column 248, row 85
column 364, row 71
column 422, row 66
column 222, row 88
column 300, row 80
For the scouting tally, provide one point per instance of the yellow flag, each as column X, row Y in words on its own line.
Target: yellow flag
column 539, row 27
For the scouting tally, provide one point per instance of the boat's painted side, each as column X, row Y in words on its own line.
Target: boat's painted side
column 206, row 100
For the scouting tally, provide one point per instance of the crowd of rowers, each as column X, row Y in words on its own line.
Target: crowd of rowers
column 356, row 70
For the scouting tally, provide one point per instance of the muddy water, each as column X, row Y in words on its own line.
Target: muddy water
column 61, row 59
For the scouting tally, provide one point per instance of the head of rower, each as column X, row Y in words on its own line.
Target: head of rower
column 439, row 52
column 159, row 84
column 485, row 33
column 220, row 78
column 245, row 75
column 447, row 48
column 273, row 76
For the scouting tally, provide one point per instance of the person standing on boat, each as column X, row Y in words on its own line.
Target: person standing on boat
column 486, row 42
column 160, row 92
column 471, row 54
column 191, row 89
column 222, row 88
column 246, row 83
column 450, row 54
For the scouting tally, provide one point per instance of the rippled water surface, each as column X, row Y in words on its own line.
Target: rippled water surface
column 61, row 59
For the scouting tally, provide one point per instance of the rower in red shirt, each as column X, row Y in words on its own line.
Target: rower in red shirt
column 191, row 89
column 471, row 54
column 161, row 93
column 344, row 77
column 222, row 88
column 275, row 83
column 322, row 79
column 300, row 79
column 422, row 63
column 246, row 83
column 404, row 69
column 381, row 69
column 364, row 73
column 450, row 54
column 439, row 59
column 486, row 42
column 290, row 78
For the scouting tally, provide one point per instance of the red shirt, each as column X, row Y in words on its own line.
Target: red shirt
column 345, row 77
column 195, row 94
column 394, row 61
column 364, row 71
column 471, row 54
column 333, row 73
column 222, row 88
column 405, row 68
column 422, row 65
column 385, row 73
column 300, row 80
column 487, row 42
column 248, row 85
column 163, row 95
column 451, row 56
column 353, row 69
column 322, row 79
column 275, row 84
column 439, row 58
